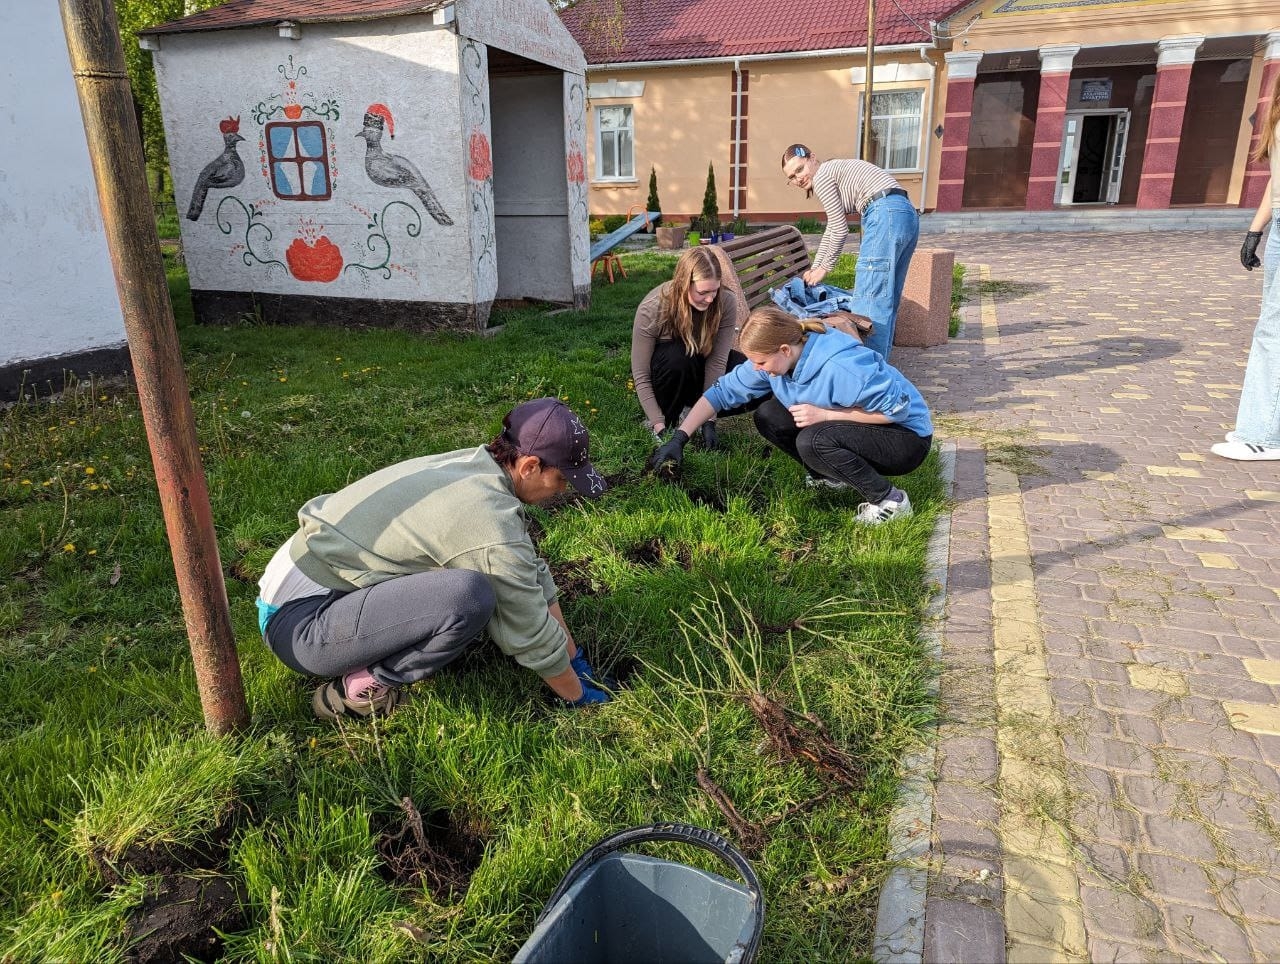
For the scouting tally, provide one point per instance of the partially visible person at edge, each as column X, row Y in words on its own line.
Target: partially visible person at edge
column 890, row 231
column 838, row 408
column 1257, row 433
column 682, row 340
column 391, row 578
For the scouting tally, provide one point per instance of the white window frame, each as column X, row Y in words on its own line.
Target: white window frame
column 600, row 175
column 919, row 146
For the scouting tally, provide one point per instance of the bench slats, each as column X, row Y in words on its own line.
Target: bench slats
column 764, row 260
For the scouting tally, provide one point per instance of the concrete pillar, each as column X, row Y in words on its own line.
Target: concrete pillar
column 1168, row 107
column 962, row 72
column 924, row 315
column 1257, row 172
column 1046, row 150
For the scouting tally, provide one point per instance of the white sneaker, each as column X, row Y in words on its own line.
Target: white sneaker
column 1246, row 452
column 874, row 514
column 818, row 482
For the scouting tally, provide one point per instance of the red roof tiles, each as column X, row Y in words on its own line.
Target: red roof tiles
column 657, row 30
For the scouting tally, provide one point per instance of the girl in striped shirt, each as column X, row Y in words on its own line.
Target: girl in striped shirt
column 890, row 230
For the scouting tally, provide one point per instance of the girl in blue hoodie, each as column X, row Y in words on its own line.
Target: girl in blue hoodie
column 838, row 408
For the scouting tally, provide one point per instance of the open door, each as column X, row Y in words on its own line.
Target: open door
column 1091, row 166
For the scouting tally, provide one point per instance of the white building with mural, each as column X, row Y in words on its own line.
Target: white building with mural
column 376, row 162
column 59, row 312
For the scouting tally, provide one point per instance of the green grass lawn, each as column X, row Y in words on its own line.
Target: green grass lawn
column 738, row 583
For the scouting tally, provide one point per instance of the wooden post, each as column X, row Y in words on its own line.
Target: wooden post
column 115, row 148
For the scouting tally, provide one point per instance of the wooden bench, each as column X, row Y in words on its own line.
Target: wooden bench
column 754, row 263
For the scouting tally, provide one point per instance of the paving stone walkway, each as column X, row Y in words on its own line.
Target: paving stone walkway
column 1108, row 771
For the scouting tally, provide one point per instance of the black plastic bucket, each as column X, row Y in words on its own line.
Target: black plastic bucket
column 619, row 908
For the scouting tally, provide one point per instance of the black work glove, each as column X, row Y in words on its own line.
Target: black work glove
column 710, row 440
column 670, row 452
column 1249, row 250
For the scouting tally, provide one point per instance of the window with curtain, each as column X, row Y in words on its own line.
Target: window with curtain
column 615, row 145
column 895, row 129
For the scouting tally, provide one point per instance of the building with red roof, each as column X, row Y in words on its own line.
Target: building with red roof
column 1031, row 104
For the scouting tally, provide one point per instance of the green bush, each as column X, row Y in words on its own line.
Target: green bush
column 807, row 225
column 596, row 227
column 614, row 221
column 652, row 203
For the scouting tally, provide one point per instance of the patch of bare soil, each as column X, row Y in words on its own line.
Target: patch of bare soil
column 190, row 902
column 653, row 552
column 573, row 579
column 435, row 851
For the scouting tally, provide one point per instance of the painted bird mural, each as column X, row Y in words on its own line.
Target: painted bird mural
column 392, row 170
column 224, row 171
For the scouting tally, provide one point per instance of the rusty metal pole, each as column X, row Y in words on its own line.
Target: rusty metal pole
column 866, row 90
column 115, row 147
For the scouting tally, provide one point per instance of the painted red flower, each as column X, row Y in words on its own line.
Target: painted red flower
column 577, row 167
column 481, row 161
column 319, row 262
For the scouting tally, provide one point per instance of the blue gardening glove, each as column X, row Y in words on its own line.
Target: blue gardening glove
column 1249, row 250
column 670, row 452
column 710, row 440
column 590, row 697
column 588, row 676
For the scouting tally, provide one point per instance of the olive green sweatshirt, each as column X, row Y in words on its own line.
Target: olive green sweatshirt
column 457, row 510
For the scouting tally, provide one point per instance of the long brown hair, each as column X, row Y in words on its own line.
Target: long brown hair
column 1267, row 139
column 768, row 328
column 675, row 314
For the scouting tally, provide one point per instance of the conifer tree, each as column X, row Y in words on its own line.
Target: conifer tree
column 652, row 204
column 710, row 210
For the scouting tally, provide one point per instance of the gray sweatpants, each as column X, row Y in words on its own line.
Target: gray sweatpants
column 403, row 629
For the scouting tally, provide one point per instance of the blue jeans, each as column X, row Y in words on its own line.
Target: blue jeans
column 890, row 230
column 1258, row 420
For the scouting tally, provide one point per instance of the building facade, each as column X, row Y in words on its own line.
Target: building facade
column 1000, row 104
column 376, row 162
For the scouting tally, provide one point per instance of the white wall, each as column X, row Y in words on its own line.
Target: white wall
column 57, row 292
column 401, row 63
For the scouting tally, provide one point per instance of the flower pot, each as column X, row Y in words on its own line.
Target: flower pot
column 727, row 235
column 671, row 238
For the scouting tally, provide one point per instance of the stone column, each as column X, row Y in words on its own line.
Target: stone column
column 1046, row 150
column 1168, row 106
column 962, row 72
column 1257, row 172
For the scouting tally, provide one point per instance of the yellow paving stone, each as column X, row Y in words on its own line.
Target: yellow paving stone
column 1189, row 362
column 1173, row 471
column 1100, row 476
column 987, row 310
column 1262, row 495
column 1059, row 437
column 1235, row 386
column 1134, row 395
column 1145, row 677
column 1217, row 395
column 1037, row 393
column 1038, row 423
column 1135, row 388
column 1216, row 560
column 1110, row 410
column 1213, row 344
column 1075, row 378
column 1254, row 717
column 1191, row 456
column 1196, row 408
column 1263, row 670
column 1194, row 533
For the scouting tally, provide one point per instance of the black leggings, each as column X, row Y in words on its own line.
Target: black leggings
column 852, row 452
column 677, row 380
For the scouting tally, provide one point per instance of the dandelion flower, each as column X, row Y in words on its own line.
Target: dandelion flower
column 68, row 547
column 89, row 470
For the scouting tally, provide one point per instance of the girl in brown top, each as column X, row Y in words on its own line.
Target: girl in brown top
column 682, row 340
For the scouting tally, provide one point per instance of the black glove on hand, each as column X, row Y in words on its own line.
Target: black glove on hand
column 1249, row 250
column 670, row 452
column 710, row 440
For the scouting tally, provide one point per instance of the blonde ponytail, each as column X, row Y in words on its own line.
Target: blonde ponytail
column 769, row 328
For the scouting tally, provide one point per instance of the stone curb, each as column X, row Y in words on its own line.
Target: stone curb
column 899, row 935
